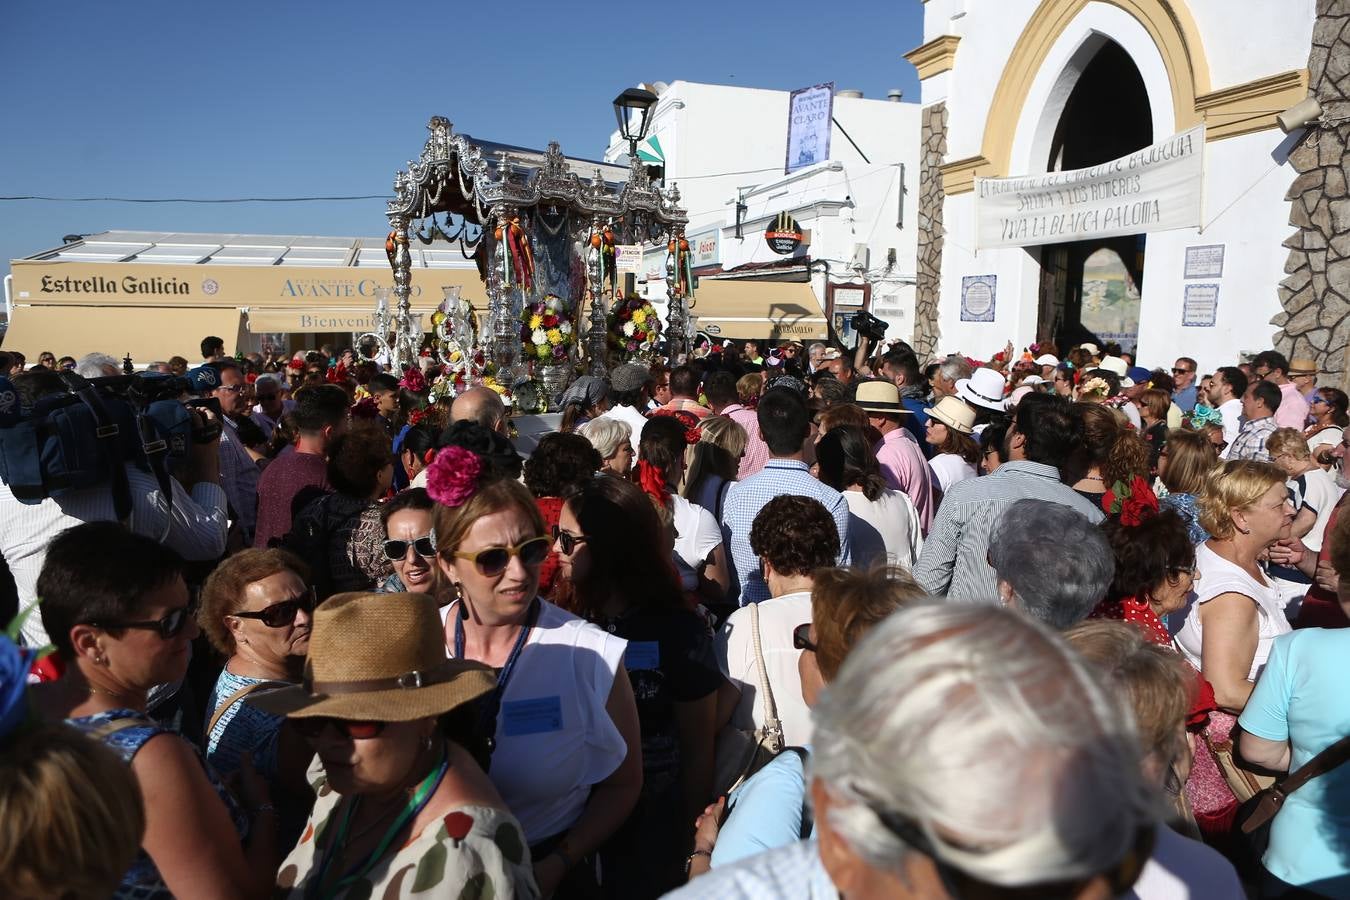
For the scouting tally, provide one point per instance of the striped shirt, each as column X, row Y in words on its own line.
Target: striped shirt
column 195, row 529
column 1251, row 440
column 746, row 498
column 756, row 451
column 954, row 562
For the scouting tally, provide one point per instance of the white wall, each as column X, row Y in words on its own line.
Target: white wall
column 1245, row 178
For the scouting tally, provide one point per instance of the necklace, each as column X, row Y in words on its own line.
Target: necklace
column 121, row 698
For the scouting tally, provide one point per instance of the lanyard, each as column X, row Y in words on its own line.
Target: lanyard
column 490, row 705
column 415, row 805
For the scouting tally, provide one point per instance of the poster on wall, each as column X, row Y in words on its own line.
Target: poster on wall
column 810, row 114
column 978, row 293
column 1205, row 261
column 1153, row 189
column 1110, row 298
column 1200, row 305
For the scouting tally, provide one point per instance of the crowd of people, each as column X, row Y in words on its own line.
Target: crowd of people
column 776, row 621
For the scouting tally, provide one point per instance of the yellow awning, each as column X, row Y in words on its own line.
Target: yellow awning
column 147, row 333
column 747, row 310
column 313, row 321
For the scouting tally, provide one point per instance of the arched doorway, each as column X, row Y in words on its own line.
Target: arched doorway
column 1090, row 290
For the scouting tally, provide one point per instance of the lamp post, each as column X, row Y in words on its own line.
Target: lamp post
column 633, row 110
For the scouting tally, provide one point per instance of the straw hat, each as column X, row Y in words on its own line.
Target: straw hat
column 1091, row 348
column 953, row 413
column 1302, row 366
column 984, row 388
column 378, row 657
column 1047, row 359
column 880, row 396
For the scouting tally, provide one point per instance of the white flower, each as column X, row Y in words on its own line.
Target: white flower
column 565, row 328
column 628, row 329
column 538, row 336
column 553, row 304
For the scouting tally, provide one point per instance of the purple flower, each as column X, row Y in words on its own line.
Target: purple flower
column 452, row 477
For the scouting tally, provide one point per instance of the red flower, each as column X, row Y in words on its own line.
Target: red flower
column 458, row 825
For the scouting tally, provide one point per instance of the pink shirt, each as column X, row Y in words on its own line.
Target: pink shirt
column 756, row 451
column 906, row 470
column 1293, row 411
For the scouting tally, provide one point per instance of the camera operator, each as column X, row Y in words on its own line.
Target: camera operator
column 224, row 381
column 194, row 525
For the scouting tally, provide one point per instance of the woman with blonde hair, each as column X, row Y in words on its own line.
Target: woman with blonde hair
column 1158, row 687
column 1185, row 462
column 749, row 387
column 1314, row 494
column 712, row 463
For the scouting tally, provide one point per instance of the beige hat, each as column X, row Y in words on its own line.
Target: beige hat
column 1302, row 366
column 880, row 396
column 953, row 413
column 1091, row 348
column 380, row 658
column 1118, row 367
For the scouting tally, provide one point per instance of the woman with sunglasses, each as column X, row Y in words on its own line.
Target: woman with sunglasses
column 567, row 755
column 117, row 609
column 407, row 543
column 613, row 548
column 255, row 610
column 403, row 806
column 1328, row 409
column 560, row 462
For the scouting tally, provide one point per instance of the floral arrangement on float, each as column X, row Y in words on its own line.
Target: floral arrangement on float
column 547, row 332
column 634, row 327
column 461, row 371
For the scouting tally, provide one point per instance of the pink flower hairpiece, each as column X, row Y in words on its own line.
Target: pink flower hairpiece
column 452, row 477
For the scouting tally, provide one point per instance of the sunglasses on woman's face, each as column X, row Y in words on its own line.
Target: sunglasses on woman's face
column 494, row 560
column 396, row 551
column 355, row 729
column 566, row 540
column 279, row 615
column 168, row 628
column 801, row 638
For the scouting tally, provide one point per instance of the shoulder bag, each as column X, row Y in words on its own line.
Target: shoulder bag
column 1256, row 814
column 235, row 698
column 742, row 752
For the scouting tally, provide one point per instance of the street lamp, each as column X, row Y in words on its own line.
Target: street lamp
column 633, row 110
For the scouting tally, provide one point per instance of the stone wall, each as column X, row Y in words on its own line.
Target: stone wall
column 929, row 266
column 1316, row 296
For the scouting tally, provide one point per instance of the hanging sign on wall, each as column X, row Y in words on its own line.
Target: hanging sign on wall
column 784, row 235
column 1156, row 188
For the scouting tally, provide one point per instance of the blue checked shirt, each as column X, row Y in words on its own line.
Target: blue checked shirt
column 746, row 498
column 954, row 562
column 1251, row 440
column 791, row 871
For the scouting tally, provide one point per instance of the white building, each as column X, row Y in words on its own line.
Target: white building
column 726, row 149
column 1021, row 87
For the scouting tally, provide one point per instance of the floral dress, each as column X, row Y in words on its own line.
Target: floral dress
column 143, row 881
column 473, row 853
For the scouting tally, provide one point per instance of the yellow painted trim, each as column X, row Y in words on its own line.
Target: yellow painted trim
column 1253, row 106
column 958, row 176
column 1170, row 26
column 936, row 56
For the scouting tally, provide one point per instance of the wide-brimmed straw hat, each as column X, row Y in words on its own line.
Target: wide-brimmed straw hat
column 983, row 388
column 381, row 658
column 953, row 413
column 1118, row 367
column 880, row 396
column 1302, row 366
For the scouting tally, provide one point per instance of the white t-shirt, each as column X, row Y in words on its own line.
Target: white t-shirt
column 1182, row 869
column 736, row 655
column 1219, row 576
column 696, row 534
column 555, row 738
column 949, row 468
column 1317, row 490
column 883, row 530
column 634, row 419
column 1329, row 435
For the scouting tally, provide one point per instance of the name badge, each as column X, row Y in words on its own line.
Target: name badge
column 642, row 655
column 539, row 715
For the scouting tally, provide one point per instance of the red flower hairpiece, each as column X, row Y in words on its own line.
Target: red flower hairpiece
column 1135, row 503
column 452, row 477
column 417, row 416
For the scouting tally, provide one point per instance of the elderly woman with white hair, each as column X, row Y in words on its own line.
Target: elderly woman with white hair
column 962, row 752
column 613, row 438
column 1052, row 563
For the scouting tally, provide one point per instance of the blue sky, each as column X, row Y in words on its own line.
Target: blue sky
column 299, row 98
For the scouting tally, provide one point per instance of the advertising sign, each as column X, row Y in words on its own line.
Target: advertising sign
column 783, row 234
column 810, row 117
column 1153, row 189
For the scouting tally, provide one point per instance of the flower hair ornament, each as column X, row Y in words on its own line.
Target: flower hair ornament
column 1135, row 503
column 693, row 432
column 452, row 477
column 1095, row 386
column 1204, row 415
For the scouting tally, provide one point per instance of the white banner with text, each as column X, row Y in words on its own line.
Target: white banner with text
column 1157, row 188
